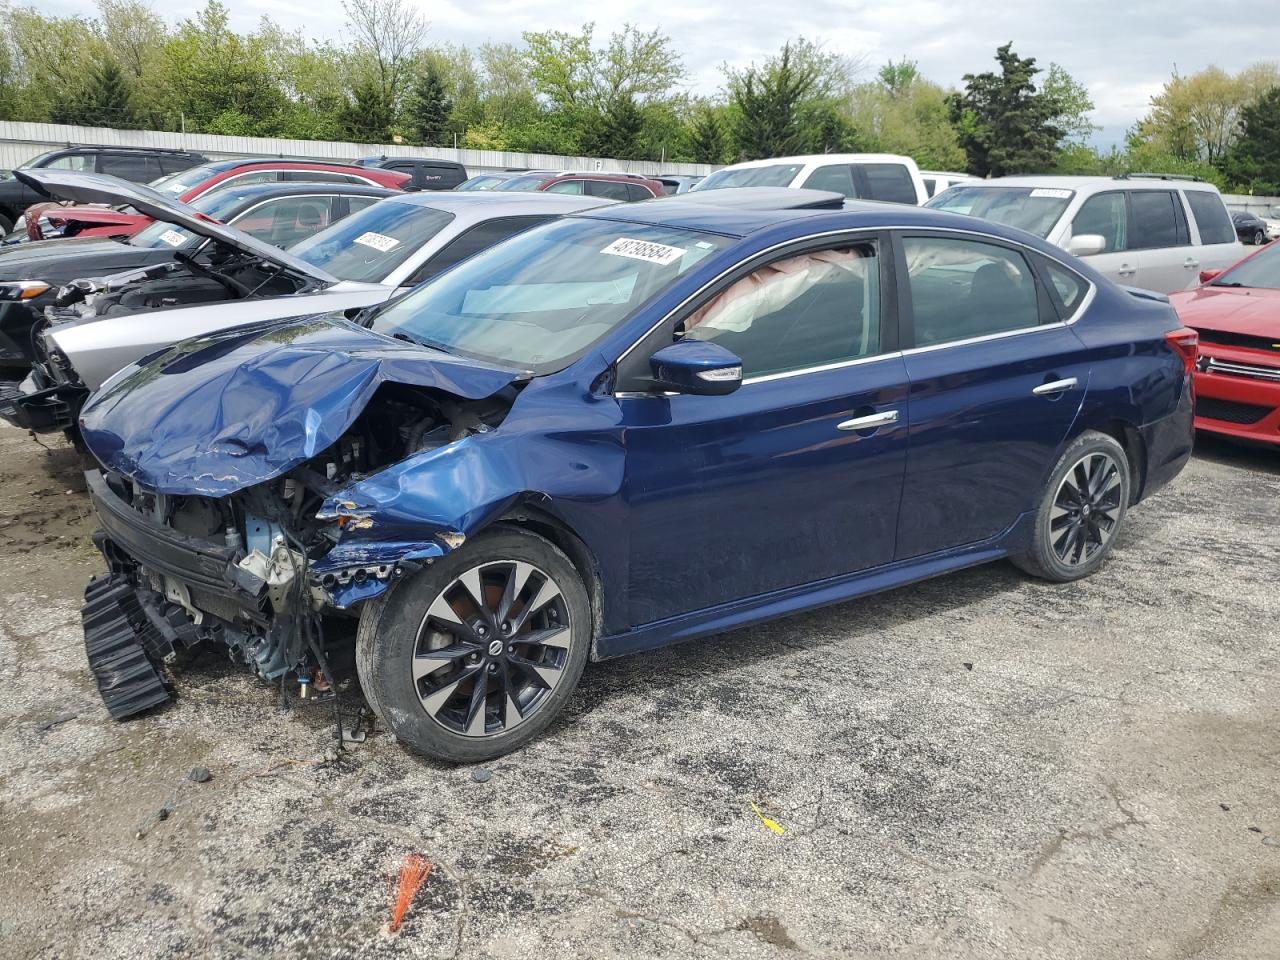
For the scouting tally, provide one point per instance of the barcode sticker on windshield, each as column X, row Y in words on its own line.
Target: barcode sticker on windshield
column 1052, row 192
column 378, row 241
column 173, row 238
column 658, row 253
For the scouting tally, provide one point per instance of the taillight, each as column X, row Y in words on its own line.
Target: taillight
column 1187, row 342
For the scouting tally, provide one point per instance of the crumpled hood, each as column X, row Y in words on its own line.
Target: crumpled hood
column 1252, row 311
column 224, row 412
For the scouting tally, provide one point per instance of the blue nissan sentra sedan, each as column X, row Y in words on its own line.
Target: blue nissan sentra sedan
column 616, row 431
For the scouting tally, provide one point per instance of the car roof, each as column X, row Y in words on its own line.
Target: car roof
column 292, row 187
column 427, row 161
column 824, row 158
column 488, row 204
column 218, row 166
column 757, row 208
column 1084, row 184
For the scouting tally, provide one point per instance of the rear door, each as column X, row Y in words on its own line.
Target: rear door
column 888, row 182
column 1158, row 228
column 136, row 167
column 996, row 382
column 1218, row 246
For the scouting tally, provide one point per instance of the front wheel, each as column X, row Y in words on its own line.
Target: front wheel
column 1081, row 510
column 476, row 655
column 1259, row 238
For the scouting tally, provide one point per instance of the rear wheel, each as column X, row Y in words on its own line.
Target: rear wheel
column 1081, row 510
column 476, row 655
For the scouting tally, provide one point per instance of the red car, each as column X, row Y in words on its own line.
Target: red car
column 44, row 220
column 1237, row 314
column 612, row 186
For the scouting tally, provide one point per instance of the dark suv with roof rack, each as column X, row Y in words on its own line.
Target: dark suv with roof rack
column 139, row 164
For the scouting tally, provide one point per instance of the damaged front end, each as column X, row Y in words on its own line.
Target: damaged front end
column 252, row 553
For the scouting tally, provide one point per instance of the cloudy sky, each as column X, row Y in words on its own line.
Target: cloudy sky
column 1123, row 51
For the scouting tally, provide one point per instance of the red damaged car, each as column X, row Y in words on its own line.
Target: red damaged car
column 1237, row 314
column 51, row 220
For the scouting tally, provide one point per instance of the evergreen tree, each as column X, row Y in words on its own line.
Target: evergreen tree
column 1004, row 124
column 1254, row 159
column 768, row 104
column 615, row 132
column 104, row 101
column 705, row 136
column 367, row 116
column 429, row 108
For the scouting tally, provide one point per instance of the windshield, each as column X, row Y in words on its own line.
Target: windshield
column 1261, row 270
column 481, row 183
column 542, row 298
column 368, row 245
column 179, row 183
column 1034, row 209
column 526, row 182
column 219, row 205
column 777, row 175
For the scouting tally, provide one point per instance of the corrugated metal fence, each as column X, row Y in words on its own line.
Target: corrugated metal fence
column 20, row 142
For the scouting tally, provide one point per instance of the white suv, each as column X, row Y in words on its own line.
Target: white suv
column 1145, row 230
column 866, row 176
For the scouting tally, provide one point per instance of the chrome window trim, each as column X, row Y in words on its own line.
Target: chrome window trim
column 822, row 368
column 852, row 233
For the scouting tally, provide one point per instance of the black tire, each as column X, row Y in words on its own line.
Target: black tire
column 1072, row 537
column 1259, row 238
column 407, row 631
column 6, row 225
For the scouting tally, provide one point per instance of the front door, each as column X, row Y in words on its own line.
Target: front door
column 996, row 383
column 795, row 477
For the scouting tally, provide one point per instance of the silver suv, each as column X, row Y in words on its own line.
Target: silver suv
column 1144, row 230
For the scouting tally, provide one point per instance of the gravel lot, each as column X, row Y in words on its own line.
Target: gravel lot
column 980, row 766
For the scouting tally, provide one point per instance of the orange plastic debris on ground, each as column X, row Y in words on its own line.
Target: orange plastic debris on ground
column 413, row 873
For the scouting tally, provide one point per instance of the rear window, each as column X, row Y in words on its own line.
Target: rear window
column 890, row 182
column 531, row 182
column 1211, row 217
column 774, row 175
column 1034, row 209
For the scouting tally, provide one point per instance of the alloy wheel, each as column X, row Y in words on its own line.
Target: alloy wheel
column 492, row 648
column 1086, row 509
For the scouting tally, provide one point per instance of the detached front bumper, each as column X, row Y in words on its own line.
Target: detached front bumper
column 1238, row 393
column 42, row 410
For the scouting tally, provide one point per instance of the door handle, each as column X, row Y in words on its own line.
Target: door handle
column 1126, row 270
column 1190, row 264
column 871, row 421
column 1055, row 386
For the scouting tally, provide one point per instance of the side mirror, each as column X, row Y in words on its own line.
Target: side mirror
column 1087, row 244
column 1207, row 275
column 696, row 367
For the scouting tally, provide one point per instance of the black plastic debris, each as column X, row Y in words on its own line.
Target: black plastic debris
column 127, row 679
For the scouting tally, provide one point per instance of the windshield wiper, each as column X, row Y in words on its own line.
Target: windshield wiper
column 1228, row 283
column 420, row 341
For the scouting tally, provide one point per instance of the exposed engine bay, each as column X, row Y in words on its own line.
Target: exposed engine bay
column 224, row 275
column 237, row 571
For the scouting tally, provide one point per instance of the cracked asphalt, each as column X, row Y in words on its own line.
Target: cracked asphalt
column 979, row 766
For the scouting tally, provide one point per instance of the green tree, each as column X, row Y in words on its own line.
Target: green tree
column 902, row 112
column 706, row 140
column 1003, row 123
column 1073, row 103
column 429, row 108
column 386, row 38
column 367, row 117
column 104, row 101
column 1197, row 117
column 775, row 103
column 1253, row 161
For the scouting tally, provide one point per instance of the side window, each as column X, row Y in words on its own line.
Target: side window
column 890, row 182
column 835, row 176
column 175, row 164
column 129, row 166
column 83, row 162
column 566, row 186
column 477, row 238
column 356, row 204
column 1153, row 223
column 637, row 192
column 318, row 176
column 930, row 186
column 963, row 288
column 287, row 220
column 1067, row 285
column 803, row 311
column 253, row 176
column 613, row 189
column 1211, row 217
column 1104, row 214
